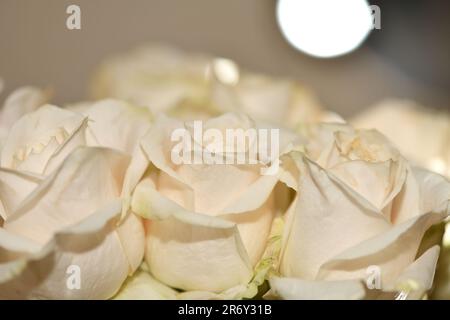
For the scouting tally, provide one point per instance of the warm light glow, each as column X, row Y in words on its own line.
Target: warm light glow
column 437, row 165
column 446, row 240
column 325, row 28
column 226, row 71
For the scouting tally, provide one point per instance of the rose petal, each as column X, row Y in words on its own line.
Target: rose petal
column 142, row 286
column 41, row 140
column 132, row 237
column 187, row 250
column 15, row 186
column 418, row 277
column 434, row 191
column 378, row 182
column 88, row 179
column 392, row 251
column 116, row 124
column 45, row 274
column 326, row 207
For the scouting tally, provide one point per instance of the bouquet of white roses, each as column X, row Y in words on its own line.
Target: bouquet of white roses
column 188, row 178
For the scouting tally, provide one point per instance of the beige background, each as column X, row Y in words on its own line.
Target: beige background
column 36, row 48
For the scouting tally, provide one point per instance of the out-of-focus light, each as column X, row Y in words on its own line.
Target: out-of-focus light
column 325, row 28
column 446, row 240
column 437, row 165
column 225, row 70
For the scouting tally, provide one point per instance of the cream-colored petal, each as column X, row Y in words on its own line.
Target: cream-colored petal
column 132, row 237
column 13, row 246
column 41, row 140
column 135, row 171
column 367, row 145
column 392, row 251
column 262, row 270
column 88, row 179
column 418, row 277
column 14, row 255
column 210, row 197
column 194, row 257
column 157, row 145
column 254, row 227
column 318, row 229
column 434, row 191
column 423, row 192
column 406, row 205
column 91, row 246
column 320, row 141
column 116, row 124
column 187, row 250
column 55, row 152
column 253, row 196
column 374, row 181
column 241, row 188
column 15, row 186
column 142, row 286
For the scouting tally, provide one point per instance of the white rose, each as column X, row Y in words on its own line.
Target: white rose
column 160, row 78
column 423, row 136
column 194, row 86
column 208, row 224
column 360, row 208
column 61, row 204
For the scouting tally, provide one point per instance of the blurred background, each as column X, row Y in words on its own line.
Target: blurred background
column 408, row 57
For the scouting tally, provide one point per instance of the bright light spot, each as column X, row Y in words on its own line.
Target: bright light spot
column 437, row 165
column 446, row 240
column 325, row 28
column 226, row 71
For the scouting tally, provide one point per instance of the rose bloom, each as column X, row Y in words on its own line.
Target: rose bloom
column 207, row 225
column 195, row 86
column 61, row 178
column 360, row 210
column 423, row 136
